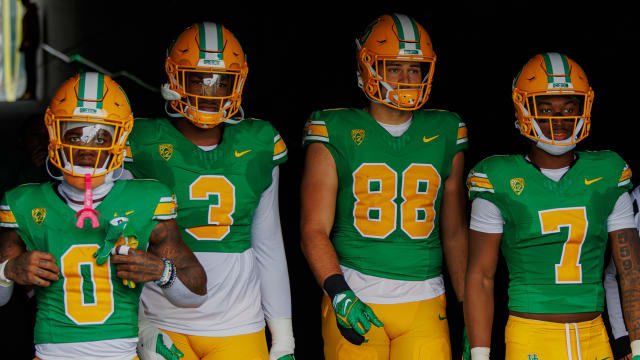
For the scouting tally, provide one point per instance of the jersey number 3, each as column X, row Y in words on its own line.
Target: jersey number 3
column 569, row 271
column 222, row 194
column 375, row 189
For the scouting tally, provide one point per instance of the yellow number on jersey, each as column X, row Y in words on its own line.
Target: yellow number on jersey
column 374, row 212
column 569, row 271
column 88, row 294
column 220, row 212
column 420, row 186
column 375, row 189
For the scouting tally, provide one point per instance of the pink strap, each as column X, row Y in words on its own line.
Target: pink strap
column 87, row 211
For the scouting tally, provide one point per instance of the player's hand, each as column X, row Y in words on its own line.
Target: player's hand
column 466, row 349
column 353, row 316
column 153, row 344
column 136, row 265
column 33, row 268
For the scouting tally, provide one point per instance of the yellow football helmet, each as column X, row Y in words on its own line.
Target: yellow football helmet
column 395, row 38
column 551, row 74
column 89, row 111
column 207, row 70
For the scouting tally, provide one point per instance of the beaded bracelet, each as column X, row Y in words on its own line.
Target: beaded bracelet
column 168, row 274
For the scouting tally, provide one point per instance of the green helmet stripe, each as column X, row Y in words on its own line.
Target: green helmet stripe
column 90, row 87
column 210, row 40
column 557, row 65
column 407, row 31
column 100, row 90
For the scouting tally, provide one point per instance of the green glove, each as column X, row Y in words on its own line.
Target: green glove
column 172, row 353
column 287, row 357
column 466, row 350
column 351, row 312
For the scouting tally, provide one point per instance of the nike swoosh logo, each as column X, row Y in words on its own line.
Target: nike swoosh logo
column 424, row 138
column 346, row 303
column 441, row 318
column 238, row 154
column 589, row 182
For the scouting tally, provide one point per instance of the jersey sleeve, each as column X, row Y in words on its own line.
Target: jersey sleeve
column 315, row 131
column 479, row 183
column 279, row 150
column 462, row 142
column 7, row 219
column 625, row 178
column 167, row 208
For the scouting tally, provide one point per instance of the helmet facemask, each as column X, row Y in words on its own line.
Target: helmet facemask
column 208, row 96
column 403, row 95
column 564, row 131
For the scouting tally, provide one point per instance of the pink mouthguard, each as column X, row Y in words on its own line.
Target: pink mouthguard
column 87, row 211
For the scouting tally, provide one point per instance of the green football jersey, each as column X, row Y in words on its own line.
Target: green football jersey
column 217, row 190
column 555, row 233
column 88, row 302
column 390, row 189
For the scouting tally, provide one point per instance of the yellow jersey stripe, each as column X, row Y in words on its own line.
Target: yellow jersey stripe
column 6, row 216
column 481, row 182
column 317, row 130
column 626, row 174
column 279, row 147
column 462, row 132
column 163, row 209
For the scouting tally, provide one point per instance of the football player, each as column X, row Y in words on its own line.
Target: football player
column 89, row 243
column 382, row 197
column 224, row 172
column 551, row 211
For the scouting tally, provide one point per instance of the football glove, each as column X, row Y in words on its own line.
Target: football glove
column 353, row 316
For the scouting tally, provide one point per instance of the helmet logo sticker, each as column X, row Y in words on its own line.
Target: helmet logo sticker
column 38, row 215
column 517, row 185
column 165, row 150
column 358, row 136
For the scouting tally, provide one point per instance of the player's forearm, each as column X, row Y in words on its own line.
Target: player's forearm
column 627, row 255
column 320, row 254
column 478, row 309
column 455, row 248
column 165, row 242
column 455, row 236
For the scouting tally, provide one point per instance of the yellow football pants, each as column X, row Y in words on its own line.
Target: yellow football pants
column 412, row 331
column 540, row 340
column 247, row 347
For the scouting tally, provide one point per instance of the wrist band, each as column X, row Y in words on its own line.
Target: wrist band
column 4, row 282
column 168, row 274
column 480, row 353
column 635, row 348
column 335, row 284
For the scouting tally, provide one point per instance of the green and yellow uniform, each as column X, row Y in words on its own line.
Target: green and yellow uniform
column 387, row 223
column 555, row 233
column 88, row 302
